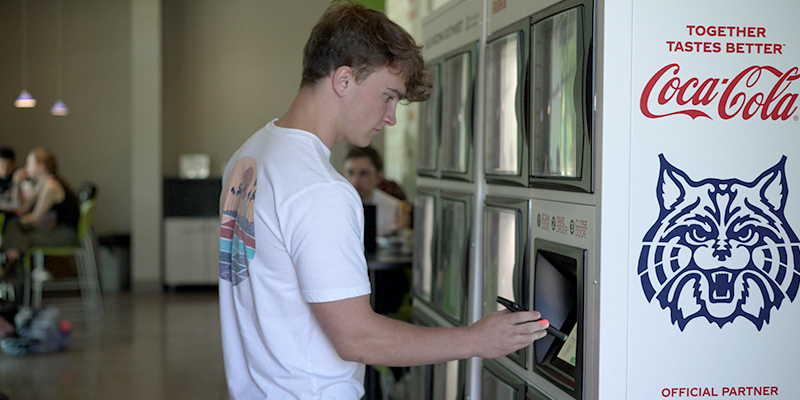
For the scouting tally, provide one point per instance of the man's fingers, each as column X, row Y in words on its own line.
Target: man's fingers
column 525, row 316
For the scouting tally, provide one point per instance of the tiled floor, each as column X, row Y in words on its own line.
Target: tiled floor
column 148, row 346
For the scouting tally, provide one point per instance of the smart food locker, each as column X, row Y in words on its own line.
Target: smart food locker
column 446, row 197
column 630, row 176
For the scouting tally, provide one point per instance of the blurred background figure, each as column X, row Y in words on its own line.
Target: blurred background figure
column 48, row 212
column 363, row 167
column 7, row 166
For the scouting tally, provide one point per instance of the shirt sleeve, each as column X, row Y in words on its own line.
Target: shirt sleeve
column 323, row 229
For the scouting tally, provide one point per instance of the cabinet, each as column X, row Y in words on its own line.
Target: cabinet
column 191, row 256
column 191, row 231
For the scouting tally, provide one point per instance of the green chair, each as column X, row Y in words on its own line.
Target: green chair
column 37, row 278
column 7, row 291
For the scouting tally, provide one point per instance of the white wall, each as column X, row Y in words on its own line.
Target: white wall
column 223, row 70
column 146, row 142
column 229, row 68
column 92, row 143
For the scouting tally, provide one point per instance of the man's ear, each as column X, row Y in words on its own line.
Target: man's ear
column 342, row 79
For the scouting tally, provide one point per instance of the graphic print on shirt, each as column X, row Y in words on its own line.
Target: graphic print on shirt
column 237, row 242
column 720, row 248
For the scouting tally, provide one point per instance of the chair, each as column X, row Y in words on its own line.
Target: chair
column 87, row 281
column 7, row 290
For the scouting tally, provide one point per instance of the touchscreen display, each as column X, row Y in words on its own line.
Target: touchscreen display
column 554, row 296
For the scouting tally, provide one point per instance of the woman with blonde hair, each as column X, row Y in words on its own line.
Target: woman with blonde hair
column 49, row 210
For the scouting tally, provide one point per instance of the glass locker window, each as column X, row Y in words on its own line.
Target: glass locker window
column 493, row 388
column 499, row 256
column 456, row 132
column 424, row 254
column 499, row 383
column 505, row 274
column 447, row 381
column 421, row 382
column 557, row 57
column 427, row 147
column 451, row 279
column 502, row 122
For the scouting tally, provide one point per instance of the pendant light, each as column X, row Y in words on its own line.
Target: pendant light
column 25, row 99
column 59, row 109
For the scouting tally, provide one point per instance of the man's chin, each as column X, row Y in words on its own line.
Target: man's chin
column 362, row 143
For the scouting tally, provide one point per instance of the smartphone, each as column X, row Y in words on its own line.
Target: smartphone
column 514, row 307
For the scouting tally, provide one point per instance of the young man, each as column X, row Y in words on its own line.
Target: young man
column 363, row 168
column 294, row 292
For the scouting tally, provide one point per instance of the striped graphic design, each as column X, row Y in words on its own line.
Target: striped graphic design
column 237, row 242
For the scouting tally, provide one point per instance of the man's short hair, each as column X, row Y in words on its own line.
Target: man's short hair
column 7, row 153
column 369, row 152
column 350, row 34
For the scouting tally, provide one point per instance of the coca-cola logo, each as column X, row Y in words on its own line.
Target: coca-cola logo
column 744, row 96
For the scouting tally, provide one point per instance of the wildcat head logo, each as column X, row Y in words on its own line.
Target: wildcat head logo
column 721, row 248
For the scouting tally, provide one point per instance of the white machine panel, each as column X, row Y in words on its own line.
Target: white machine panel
column 505, row 12
column 715, row 182
column 570, row 224
column 455, row 24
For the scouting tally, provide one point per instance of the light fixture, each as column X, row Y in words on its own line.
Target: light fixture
column 59, row 109
column 25, row 99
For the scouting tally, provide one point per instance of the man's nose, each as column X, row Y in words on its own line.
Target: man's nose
column 389, row 118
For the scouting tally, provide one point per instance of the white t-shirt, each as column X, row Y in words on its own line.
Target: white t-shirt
column 298, row 240
column 386, row 208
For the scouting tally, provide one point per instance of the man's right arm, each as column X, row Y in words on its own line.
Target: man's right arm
column 361, row 335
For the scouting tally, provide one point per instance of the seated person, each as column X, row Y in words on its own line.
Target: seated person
column 48, row 215
column 7, row 165
column 7, row 161
column 363, row 167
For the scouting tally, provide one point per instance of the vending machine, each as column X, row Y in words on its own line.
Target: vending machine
column 629, row 175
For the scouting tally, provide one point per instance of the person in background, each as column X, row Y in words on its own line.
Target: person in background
column 294, row 290
column 48, row 215
column 7, row 205
column 363, row 168
column 7, row 166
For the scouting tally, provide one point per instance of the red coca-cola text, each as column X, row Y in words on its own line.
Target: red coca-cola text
column 735, row 97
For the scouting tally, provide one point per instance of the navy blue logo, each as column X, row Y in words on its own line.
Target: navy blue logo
column 721, row 248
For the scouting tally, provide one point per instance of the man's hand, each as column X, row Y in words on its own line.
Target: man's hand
column 504, row 332
column 19, row 176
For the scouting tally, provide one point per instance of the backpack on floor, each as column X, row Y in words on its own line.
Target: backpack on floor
column 37, row 331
